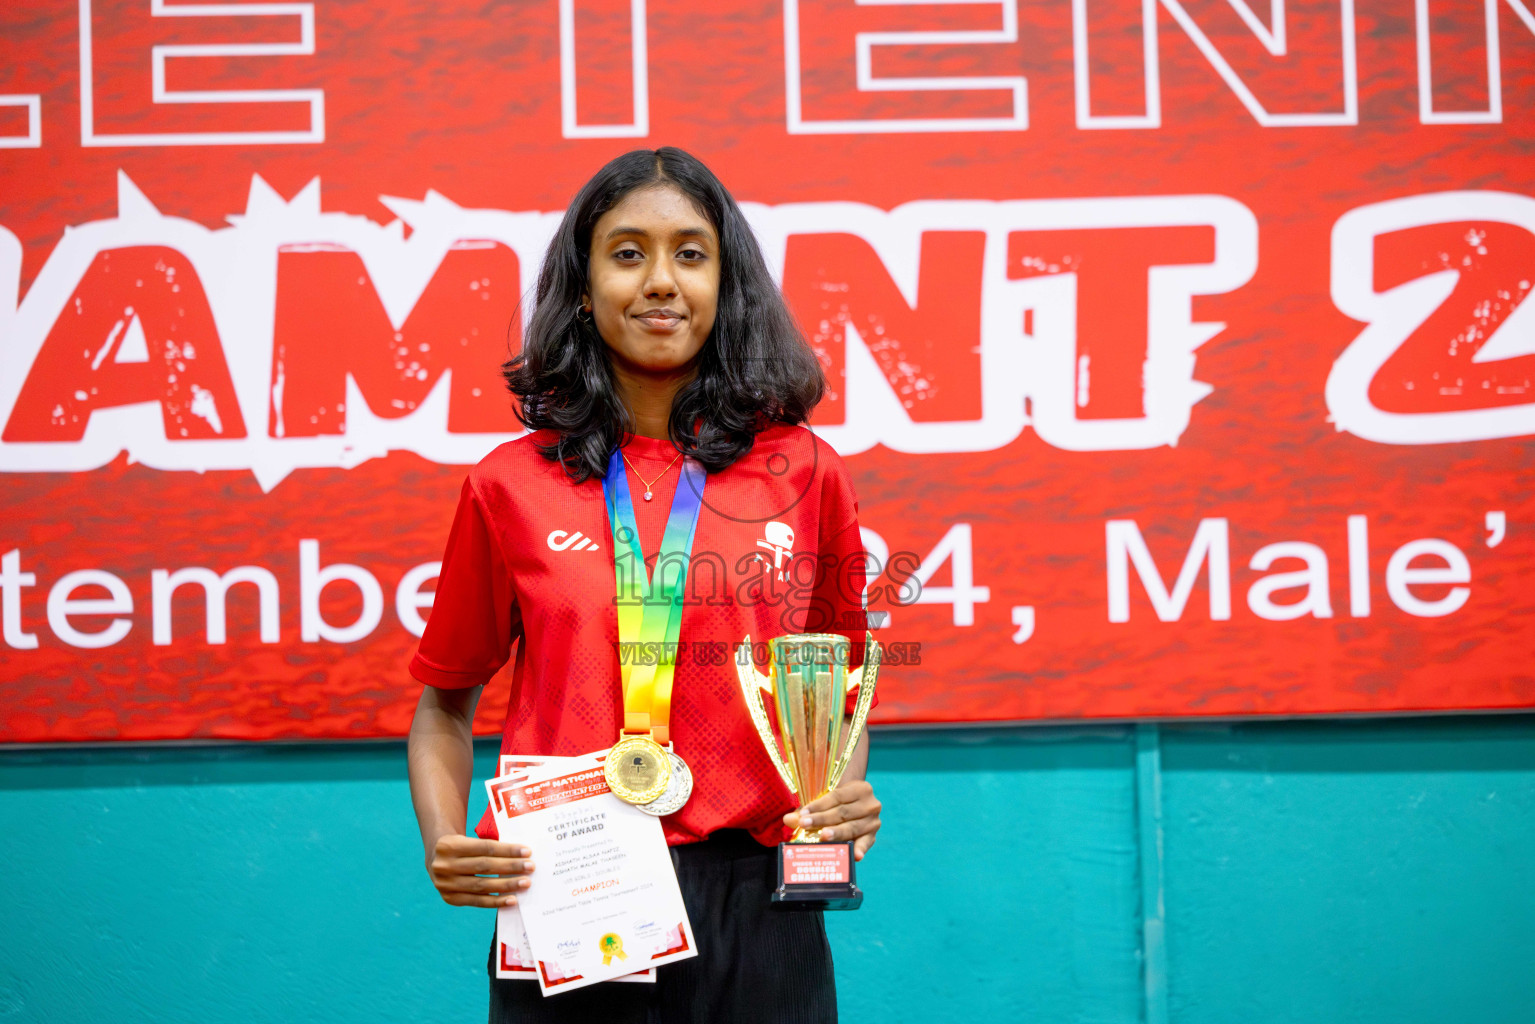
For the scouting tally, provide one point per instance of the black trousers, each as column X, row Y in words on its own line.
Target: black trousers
column 755, row 964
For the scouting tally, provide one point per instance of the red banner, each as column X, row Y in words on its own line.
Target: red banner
column 1179, row 349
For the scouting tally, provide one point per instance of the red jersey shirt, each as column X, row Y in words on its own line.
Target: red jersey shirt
column 777, row 550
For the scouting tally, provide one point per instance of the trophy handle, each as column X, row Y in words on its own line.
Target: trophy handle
column 866, row 677
column 752, row 685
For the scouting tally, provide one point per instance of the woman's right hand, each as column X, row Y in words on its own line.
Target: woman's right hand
column 473, row 872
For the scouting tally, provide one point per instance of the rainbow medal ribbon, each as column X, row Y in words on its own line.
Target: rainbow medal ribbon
column 642, row 769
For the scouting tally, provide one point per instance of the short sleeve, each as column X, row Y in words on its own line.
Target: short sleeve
column 836, row 604
column 474, row 617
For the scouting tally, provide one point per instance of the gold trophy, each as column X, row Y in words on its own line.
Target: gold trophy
column 808, row 686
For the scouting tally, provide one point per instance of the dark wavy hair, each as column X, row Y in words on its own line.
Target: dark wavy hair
column 754, row 369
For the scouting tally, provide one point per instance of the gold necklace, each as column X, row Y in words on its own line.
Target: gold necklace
column 650, row 483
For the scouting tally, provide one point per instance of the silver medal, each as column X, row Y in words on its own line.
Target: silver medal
column 677, row 790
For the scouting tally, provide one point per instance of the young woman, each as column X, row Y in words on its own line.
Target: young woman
column 660, row 352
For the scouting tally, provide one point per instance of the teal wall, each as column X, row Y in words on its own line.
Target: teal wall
column 1359, row 871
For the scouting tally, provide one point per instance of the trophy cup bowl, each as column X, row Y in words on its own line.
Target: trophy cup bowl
column 808, row 685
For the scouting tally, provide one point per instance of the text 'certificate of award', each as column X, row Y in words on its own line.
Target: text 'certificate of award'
column 514, row 953
column 604, row 901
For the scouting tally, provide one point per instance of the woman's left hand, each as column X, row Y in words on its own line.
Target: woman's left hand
column 851, row 811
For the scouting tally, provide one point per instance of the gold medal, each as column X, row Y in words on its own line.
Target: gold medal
column 637, row 769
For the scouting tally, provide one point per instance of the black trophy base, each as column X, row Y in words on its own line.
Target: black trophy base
column 817, row 876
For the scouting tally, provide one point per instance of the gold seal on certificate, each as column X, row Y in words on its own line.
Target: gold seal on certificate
column 809, row 686
column 611, row 946
column 637, row 769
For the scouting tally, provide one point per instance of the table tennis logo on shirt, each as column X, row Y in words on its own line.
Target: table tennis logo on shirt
column 779, row 539
column 563, row 540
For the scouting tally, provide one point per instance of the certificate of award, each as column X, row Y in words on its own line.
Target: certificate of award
column 604, row 901
column 514, row 954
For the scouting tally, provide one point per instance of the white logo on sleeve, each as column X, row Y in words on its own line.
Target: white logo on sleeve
column 561, row 540
column 779, row 539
